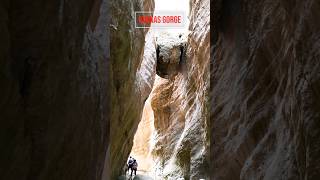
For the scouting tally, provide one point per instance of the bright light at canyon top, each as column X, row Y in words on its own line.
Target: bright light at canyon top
column 172, row 6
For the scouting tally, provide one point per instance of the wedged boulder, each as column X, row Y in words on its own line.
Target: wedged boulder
column 171, row 51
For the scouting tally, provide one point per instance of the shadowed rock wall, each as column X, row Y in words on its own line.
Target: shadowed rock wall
column 53, row 76
column 265, row 81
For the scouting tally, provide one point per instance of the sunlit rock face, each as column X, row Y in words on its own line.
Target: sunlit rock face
column 145, row 76
column 180, row 104
column 265, row 90
column 53, row 66
column 142, row 144
column 127, row 99
column 146, row 73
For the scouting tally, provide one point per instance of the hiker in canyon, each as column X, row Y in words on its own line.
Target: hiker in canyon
column 133, row 166
column 130, row 161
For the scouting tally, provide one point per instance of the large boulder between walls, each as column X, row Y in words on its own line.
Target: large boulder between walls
column 171, row 52
column 265, row 90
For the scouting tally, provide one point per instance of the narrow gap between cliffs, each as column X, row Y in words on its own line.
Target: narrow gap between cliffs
column 145, row 139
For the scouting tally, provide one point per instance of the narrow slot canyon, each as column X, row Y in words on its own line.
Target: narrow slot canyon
column 143, row 139
column 231, row 97
column 170, row 141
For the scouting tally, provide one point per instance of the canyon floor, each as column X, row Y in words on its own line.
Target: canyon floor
column 141, row 175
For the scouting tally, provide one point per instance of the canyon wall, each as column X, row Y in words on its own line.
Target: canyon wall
column 126, row 87
column 180, row 99
column 143, row 140
column 265, row 81
column 59, row 83
column 53, row 104
column 142, row 145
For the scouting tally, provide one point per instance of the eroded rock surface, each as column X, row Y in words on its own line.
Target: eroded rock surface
column 53, row 105
column 180, row 103
column 147, row 71
column 127, row 100
column 265, row 90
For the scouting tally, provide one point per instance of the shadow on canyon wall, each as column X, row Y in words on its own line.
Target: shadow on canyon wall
column 265, row 79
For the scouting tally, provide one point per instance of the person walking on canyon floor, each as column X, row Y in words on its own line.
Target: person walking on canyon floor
column 133, row 166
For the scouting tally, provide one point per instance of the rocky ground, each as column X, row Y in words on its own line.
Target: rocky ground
column 141, row 175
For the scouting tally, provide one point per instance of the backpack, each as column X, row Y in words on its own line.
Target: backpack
column 135, row 165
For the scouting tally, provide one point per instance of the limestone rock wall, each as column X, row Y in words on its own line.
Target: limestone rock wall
column 53, row 104
column 145, row 77
column 180, row 103
column 265, row 90
column 147, row 70
column 143, row 140
column 127, row 48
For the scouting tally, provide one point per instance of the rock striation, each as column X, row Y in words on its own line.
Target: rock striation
column 180, row 101
column 127, row 86
column 265, row 90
